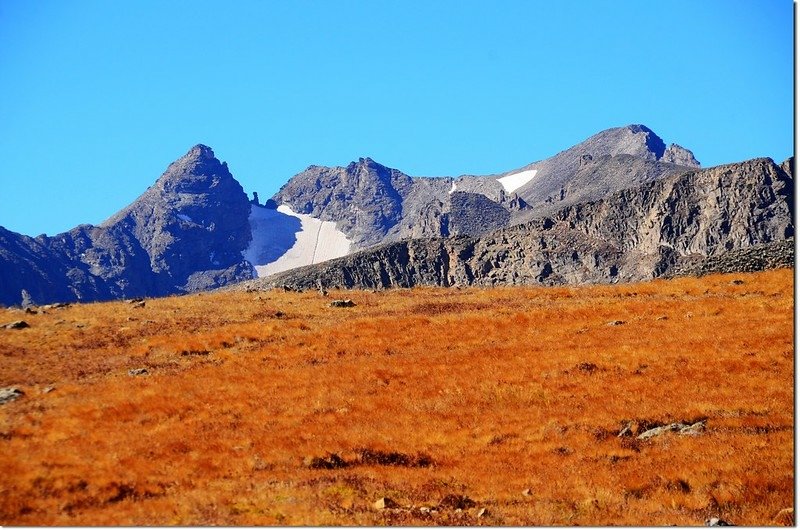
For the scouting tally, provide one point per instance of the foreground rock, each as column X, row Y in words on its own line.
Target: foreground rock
column 383, row 503
column 17, row 324
column 680, row 428
column 10, row 394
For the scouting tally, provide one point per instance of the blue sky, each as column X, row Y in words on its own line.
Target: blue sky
column 98, row 97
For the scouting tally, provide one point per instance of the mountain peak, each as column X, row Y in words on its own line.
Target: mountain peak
column 200, row 151
column 198, row 163
column 364, row 162
column 640, row 141
column 638, row 127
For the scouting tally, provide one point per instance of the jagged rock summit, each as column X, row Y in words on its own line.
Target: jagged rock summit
column 193, row 222
column 185, row 233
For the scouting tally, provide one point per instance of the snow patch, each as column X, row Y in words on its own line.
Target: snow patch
column 184, row 217
column 283, row 240
column 516, row 180
column 453, row 189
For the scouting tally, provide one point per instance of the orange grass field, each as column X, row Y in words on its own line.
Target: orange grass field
column 473, row 406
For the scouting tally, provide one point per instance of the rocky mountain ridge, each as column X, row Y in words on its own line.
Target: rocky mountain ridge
column 372, row 203
column 640, row 233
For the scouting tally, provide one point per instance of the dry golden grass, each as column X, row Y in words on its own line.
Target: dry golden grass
column 420, row 394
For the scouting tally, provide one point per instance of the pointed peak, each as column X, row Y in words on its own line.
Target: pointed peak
column 637, row 140
column 199, row 161
column 366, row 162
column 200, row 151
column 638, row 127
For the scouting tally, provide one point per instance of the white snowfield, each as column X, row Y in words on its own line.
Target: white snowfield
column 453, row 188
column 516, row 180
column 283, row 240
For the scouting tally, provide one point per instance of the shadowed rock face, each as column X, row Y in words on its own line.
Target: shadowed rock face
column 656, row 229
column 185, row 233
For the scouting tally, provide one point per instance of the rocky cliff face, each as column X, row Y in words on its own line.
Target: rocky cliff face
column 185, row 233
column 635, row 234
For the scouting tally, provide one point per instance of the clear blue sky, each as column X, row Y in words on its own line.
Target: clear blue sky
column 98, row 97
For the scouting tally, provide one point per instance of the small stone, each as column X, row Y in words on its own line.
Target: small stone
column 657, row 431
column 716, row 521
column 616, row 323
column 138, row 371
column 57, row 305
column 343, row 303
column 694, row 429
column 383, row 503
column 527, row 492
column 138, row 304
column 48, row 389
column 10, row 394
column 483, row 512
column 737, row 282
column 17, row 324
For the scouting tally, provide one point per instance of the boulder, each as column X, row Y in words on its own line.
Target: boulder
column 383, row 503
column 682, row 428
column 10, row 394
column 17, row 324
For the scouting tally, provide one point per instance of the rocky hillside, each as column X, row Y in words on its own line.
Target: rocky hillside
column 634, row 234
column 185, row 233
column 374, row 204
